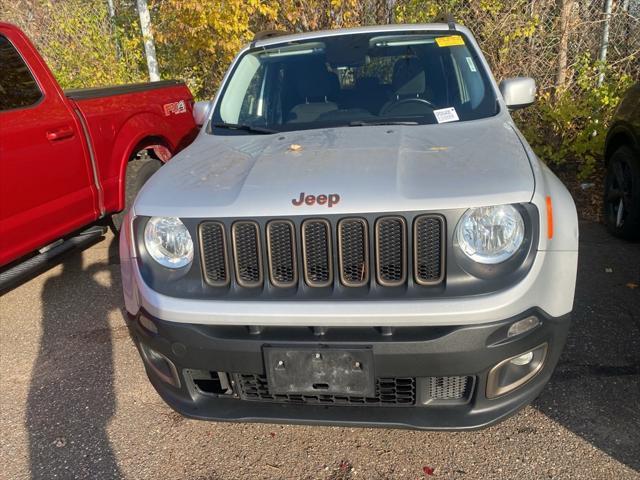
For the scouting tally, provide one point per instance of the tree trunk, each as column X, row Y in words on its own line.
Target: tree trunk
column 114, row 29
column 604, row 43
column 381, row 12
column 565, row 25
column 391, row 4
column 147, row 36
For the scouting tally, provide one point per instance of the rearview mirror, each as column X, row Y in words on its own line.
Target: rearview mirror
column 201, row 112
column 518, row 92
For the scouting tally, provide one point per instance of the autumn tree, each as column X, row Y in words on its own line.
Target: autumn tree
column 201, row 38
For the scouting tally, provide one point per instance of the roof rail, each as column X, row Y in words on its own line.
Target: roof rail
column 446, row 17
column 267, row 34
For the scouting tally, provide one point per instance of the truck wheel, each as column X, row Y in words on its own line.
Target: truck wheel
column 138, row 172
column 622, row 194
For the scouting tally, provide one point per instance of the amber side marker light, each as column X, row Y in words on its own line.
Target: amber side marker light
column 549, row 218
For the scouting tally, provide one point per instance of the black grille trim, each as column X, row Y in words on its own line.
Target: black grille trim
column 344, row 253
column 349, row 248
column 247, row 254
column 281, row 274
column 382, row 244
column 315, row 249
column 214, row 254
column 390, row 392
column 429, row 243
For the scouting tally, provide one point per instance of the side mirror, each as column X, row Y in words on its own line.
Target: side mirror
column 201, row 112
column 518, row 92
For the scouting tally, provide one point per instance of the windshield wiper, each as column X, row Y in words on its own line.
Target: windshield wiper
column 246, row 128
column 361, row 123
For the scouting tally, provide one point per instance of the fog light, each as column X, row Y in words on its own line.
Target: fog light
column 523, row 326
column 515, row 371
column 522, row 359
column 161, row 365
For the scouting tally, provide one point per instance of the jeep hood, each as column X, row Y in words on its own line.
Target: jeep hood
column 372, row 169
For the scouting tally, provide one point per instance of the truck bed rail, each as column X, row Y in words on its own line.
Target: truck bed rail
column 87, row 93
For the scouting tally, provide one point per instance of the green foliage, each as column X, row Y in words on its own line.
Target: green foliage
column 572, row 124
column 197, row 40
column 80, row 46
column 424, row 11
column 503, row 28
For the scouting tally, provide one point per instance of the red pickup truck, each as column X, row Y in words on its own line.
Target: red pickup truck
column 71, row 160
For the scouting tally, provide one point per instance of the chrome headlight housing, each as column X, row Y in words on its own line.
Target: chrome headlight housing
column 490, row 235
column 168, row 242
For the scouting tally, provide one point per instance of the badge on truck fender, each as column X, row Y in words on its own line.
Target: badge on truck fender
column 174, row 108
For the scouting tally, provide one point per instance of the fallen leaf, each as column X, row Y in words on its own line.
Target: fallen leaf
column 427, row 470
column 294, row 147
column 60, row 442
column 632, row 285
column 273, row 434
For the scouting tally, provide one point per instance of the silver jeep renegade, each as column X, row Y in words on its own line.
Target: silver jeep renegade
column 359, row 235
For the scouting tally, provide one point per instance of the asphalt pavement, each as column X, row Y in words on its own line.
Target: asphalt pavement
column 75, row 401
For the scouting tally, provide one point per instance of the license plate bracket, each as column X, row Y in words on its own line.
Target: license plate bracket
column 320, row 371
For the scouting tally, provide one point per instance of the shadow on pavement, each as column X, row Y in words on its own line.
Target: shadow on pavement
column 595, row 391
column 71, row 397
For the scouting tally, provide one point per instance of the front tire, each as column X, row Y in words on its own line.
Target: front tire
column 622, row 194
column 138, row 172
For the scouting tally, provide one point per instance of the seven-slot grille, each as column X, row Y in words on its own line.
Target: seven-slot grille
column 290, row 253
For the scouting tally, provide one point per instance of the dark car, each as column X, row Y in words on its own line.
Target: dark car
column 622, row 156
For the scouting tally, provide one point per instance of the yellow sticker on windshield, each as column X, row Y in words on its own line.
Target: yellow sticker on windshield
column 450, row 41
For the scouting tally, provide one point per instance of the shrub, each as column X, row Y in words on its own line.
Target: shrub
column 571, row 125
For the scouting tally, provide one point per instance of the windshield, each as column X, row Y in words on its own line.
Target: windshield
column 354, row 80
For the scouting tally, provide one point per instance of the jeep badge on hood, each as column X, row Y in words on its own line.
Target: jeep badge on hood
column 329, row 200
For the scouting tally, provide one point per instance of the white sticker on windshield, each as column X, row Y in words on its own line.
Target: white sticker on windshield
column 472, row 66
column 445, row 115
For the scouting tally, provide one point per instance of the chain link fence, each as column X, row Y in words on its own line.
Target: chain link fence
column 547, row 39
column 544, row 39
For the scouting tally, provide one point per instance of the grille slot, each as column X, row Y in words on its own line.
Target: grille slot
column 214, row 254
column 428, row 244
column 316, row 251
column 393, row 392
column 247, row 255
column 391, row 251
column 353, row 252
column 282, row 253
column 449, row 388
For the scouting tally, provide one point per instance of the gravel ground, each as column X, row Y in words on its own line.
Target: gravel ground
column 76, row 403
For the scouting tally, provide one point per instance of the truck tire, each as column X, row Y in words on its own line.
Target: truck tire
column 622, row 194
column 138, row 172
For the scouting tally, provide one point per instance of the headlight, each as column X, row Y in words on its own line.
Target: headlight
column 168, row 242
column 490, row 235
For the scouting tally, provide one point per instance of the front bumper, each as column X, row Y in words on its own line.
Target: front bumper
column 415, row 352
